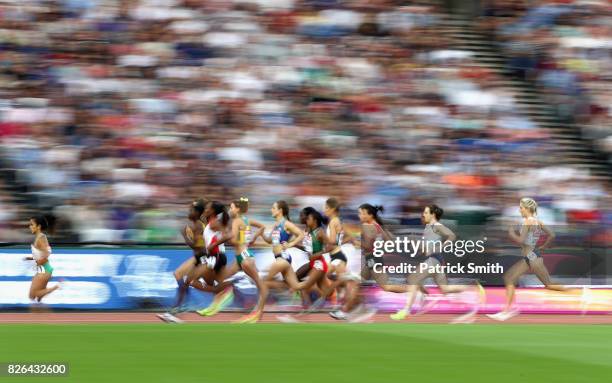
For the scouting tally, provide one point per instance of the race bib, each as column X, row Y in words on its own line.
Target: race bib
column 307, row 242
column 318, row 265
column 247, row 235
column 276, row 237
column 211, row 262
column 245, row 254
column 340, row 237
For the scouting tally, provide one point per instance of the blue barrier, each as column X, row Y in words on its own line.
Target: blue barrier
column 107, row 279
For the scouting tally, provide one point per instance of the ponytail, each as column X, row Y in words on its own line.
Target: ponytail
column 242, row 203
column 436, row 210
column 333, row 204
column 318, row 217
column 284, row 206
column 373, row 211
column 46, row 222
column 220, row 212
column 531, row 204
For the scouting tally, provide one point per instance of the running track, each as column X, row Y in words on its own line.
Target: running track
column 150, row 317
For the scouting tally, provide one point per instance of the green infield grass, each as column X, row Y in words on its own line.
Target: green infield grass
column 313, row 353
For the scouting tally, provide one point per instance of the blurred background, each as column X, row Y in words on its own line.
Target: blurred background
column 115, row 114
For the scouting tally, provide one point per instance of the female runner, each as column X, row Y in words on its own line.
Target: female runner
column 216, row 233
column 284, row 235
column 316, row 243
column 193, row 235
column 242, row 238
column 41, row 250
column 371, row 231
column 434, row 232
column 530, row 232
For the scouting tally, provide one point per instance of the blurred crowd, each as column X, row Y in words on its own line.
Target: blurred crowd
column 117, row 113
column 566, row 47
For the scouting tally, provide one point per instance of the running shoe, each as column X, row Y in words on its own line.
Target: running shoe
column 338, row 314
column 504, row 315
column 465, row 318
column 287, row 319
column 226, row 298
column 253, row 317
column 400, row 315
column 169, row 318
column 428, row 303
column 362, row 314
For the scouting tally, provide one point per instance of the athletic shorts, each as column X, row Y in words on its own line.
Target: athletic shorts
column 319, row 264
column 435, row 259
column 338, row 257
column 532, row 257
column 198, row 257
column 244, row 255
column 284, row 255
column 46, row 268
column 221, row 262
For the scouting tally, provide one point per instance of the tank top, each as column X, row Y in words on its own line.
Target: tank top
column 37, row 254
column 200, row 242
column 339, row 236
column 430, row 234
column 210, row 235
column 380, row 233
column 315, row 243
column 279, row 234
column 533, row 235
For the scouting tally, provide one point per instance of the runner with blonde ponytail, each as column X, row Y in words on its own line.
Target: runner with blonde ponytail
column 528, row 236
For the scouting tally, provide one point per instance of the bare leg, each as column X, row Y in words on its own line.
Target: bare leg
column 414, row 281
column 283, row 267
column 540, row 271
column 248, row 266
column 302, row 271
column 442, row 282
column 201, row 271
column 314, row 276
column 382, row 281
column 352, row 296
column 510, row 279
column 180, row 274
column 39, row 288
column 225, row 273
column 291, row 278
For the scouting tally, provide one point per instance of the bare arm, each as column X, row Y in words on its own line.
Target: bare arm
column 524, row 231
column 260, row 230
column 298, row 235
column 267, row 238
column 445, row 232
column 387, row 235
column 550, row 236
column 189, row 242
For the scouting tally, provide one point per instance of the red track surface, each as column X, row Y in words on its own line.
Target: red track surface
column 130, row 317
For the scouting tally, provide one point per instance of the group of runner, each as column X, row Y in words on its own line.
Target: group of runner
column 212, row 225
